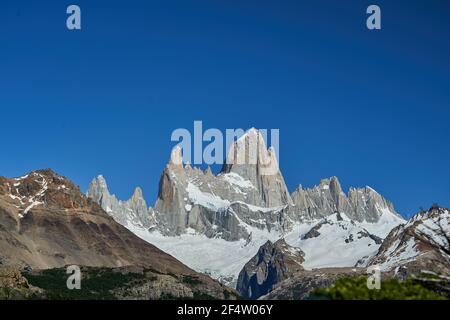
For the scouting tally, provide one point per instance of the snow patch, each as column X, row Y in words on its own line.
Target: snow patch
column 37, row 198
column 237, row 180
column 205, row 199
column 400, row 255
column 261, row 209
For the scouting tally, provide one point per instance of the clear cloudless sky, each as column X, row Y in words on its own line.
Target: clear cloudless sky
column 371, row 107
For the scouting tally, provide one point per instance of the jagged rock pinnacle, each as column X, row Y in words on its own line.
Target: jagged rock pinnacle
column 208, row 172
column 176, row 157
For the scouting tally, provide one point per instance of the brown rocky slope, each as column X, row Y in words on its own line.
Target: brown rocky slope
column 46, row 222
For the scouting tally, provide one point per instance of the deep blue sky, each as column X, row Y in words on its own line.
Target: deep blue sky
column 372, row 108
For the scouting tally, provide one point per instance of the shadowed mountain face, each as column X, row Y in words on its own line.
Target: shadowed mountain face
column 46, row 222
column 273, row 263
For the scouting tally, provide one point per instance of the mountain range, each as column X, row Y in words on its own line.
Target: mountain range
column 236, row 233
column 219, row 224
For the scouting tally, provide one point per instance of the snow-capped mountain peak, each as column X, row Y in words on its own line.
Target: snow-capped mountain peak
column 176, row 156
column 242, row 208
column 249, row 153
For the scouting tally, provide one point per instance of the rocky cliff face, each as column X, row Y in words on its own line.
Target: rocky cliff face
column 189, row 198
column 249, row 157
column 273, row 263
column 249, row 182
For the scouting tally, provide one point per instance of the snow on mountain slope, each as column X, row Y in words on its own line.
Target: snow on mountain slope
column 205, row 199
column 20, row 188
column 387, row 221
column 237, row 180
column 423, row 243
column 340, row 243
column 335, row 241
column 221, row 259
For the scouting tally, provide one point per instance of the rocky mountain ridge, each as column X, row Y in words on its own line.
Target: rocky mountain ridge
column 133, row 211
column 240, row 195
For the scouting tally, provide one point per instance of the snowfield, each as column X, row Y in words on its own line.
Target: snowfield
column 222, row 260
column 340, row 244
